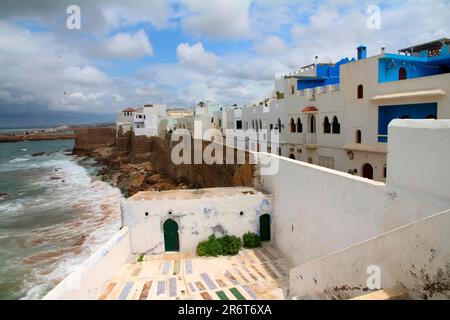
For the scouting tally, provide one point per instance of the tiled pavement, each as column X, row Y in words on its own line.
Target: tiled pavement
column 251, row 275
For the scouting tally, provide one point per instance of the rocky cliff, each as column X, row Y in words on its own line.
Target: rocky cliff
column 144, row 163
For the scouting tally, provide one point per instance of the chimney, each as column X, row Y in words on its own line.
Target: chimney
column 383, row 49
column 362, row 52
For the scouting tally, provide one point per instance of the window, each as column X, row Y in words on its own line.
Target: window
column 125, row 114
column 279, row 125
column 260, row 124
column 238, row 124
column 402, row 74
column 212, row 119
column 327, row 162
column 292, row 90
column 271, row 127
column 299, row 126
column 384, row 171
column 358, row 136
column 293, row 129
column 336, row 126
column 326, row 125
column 253, row 124
column 360, row 91
column 312, row 124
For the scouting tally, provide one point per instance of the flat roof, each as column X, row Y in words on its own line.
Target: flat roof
column 427, row 45
column 191, row 194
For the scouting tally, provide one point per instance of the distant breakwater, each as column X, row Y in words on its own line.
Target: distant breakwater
column 35, row 137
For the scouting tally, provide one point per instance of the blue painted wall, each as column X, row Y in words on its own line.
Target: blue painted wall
column 416, row 67
column 414, row 111
column 325, row 75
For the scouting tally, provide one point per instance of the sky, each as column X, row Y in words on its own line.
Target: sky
column 180, row 52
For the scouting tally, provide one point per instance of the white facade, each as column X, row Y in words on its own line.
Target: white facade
column 145, row 121
column 198, row 214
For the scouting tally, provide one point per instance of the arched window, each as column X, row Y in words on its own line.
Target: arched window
column 326, row 125
column 279, row 124
column 358, row 138
column 360, row 91
column 260, row 124
column 299, row 126
column 312, row 124
column 402, row 74
column 336, row 126
column 292, row 125
column 253, row 124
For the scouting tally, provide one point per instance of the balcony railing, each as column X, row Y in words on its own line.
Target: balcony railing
column 383, row 138
column 310, row 138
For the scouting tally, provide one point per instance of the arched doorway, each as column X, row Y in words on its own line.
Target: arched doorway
column 291, row 156
column 171, row 239
column 264, row 227
column 367, row 171
column 402, row 73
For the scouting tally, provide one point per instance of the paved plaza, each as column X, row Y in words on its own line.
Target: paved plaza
column 253, row 274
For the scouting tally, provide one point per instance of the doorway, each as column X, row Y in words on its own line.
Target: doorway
column 367, row 171
column 171, row 238
column 264, row 227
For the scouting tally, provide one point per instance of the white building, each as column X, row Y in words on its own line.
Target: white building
column 336, row 115
column 144, row 121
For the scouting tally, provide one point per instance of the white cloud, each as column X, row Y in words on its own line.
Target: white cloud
column 85, row 76
column 196, row 57
column 271, row 45
column 217, row 18
column 126, row 45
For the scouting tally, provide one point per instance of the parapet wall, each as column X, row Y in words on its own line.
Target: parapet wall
column 415, row 256
column 89, row 278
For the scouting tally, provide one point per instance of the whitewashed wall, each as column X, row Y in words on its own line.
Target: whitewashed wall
column 197, row 217
column 86, row 281
column 319, row 211
column 415, row 256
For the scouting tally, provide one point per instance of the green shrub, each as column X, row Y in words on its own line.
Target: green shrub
column 213, row 247
column 230, row 245
column 251, row 240
column 209, row 248
column 140, row 258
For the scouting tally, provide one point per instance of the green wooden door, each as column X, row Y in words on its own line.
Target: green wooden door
column 264, row 227
column 171, row 241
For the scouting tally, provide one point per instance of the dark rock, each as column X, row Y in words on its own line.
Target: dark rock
column 4, row 196
column 38, row 154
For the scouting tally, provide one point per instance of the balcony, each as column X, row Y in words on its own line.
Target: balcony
column 383, row 138
column 310, row 140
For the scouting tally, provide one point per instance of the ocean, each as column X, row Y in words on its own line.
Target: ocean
column 54, row 212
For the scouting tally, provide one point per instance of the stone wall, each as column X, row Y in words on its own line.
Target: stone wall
column 201, row 175
column 89, row 139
